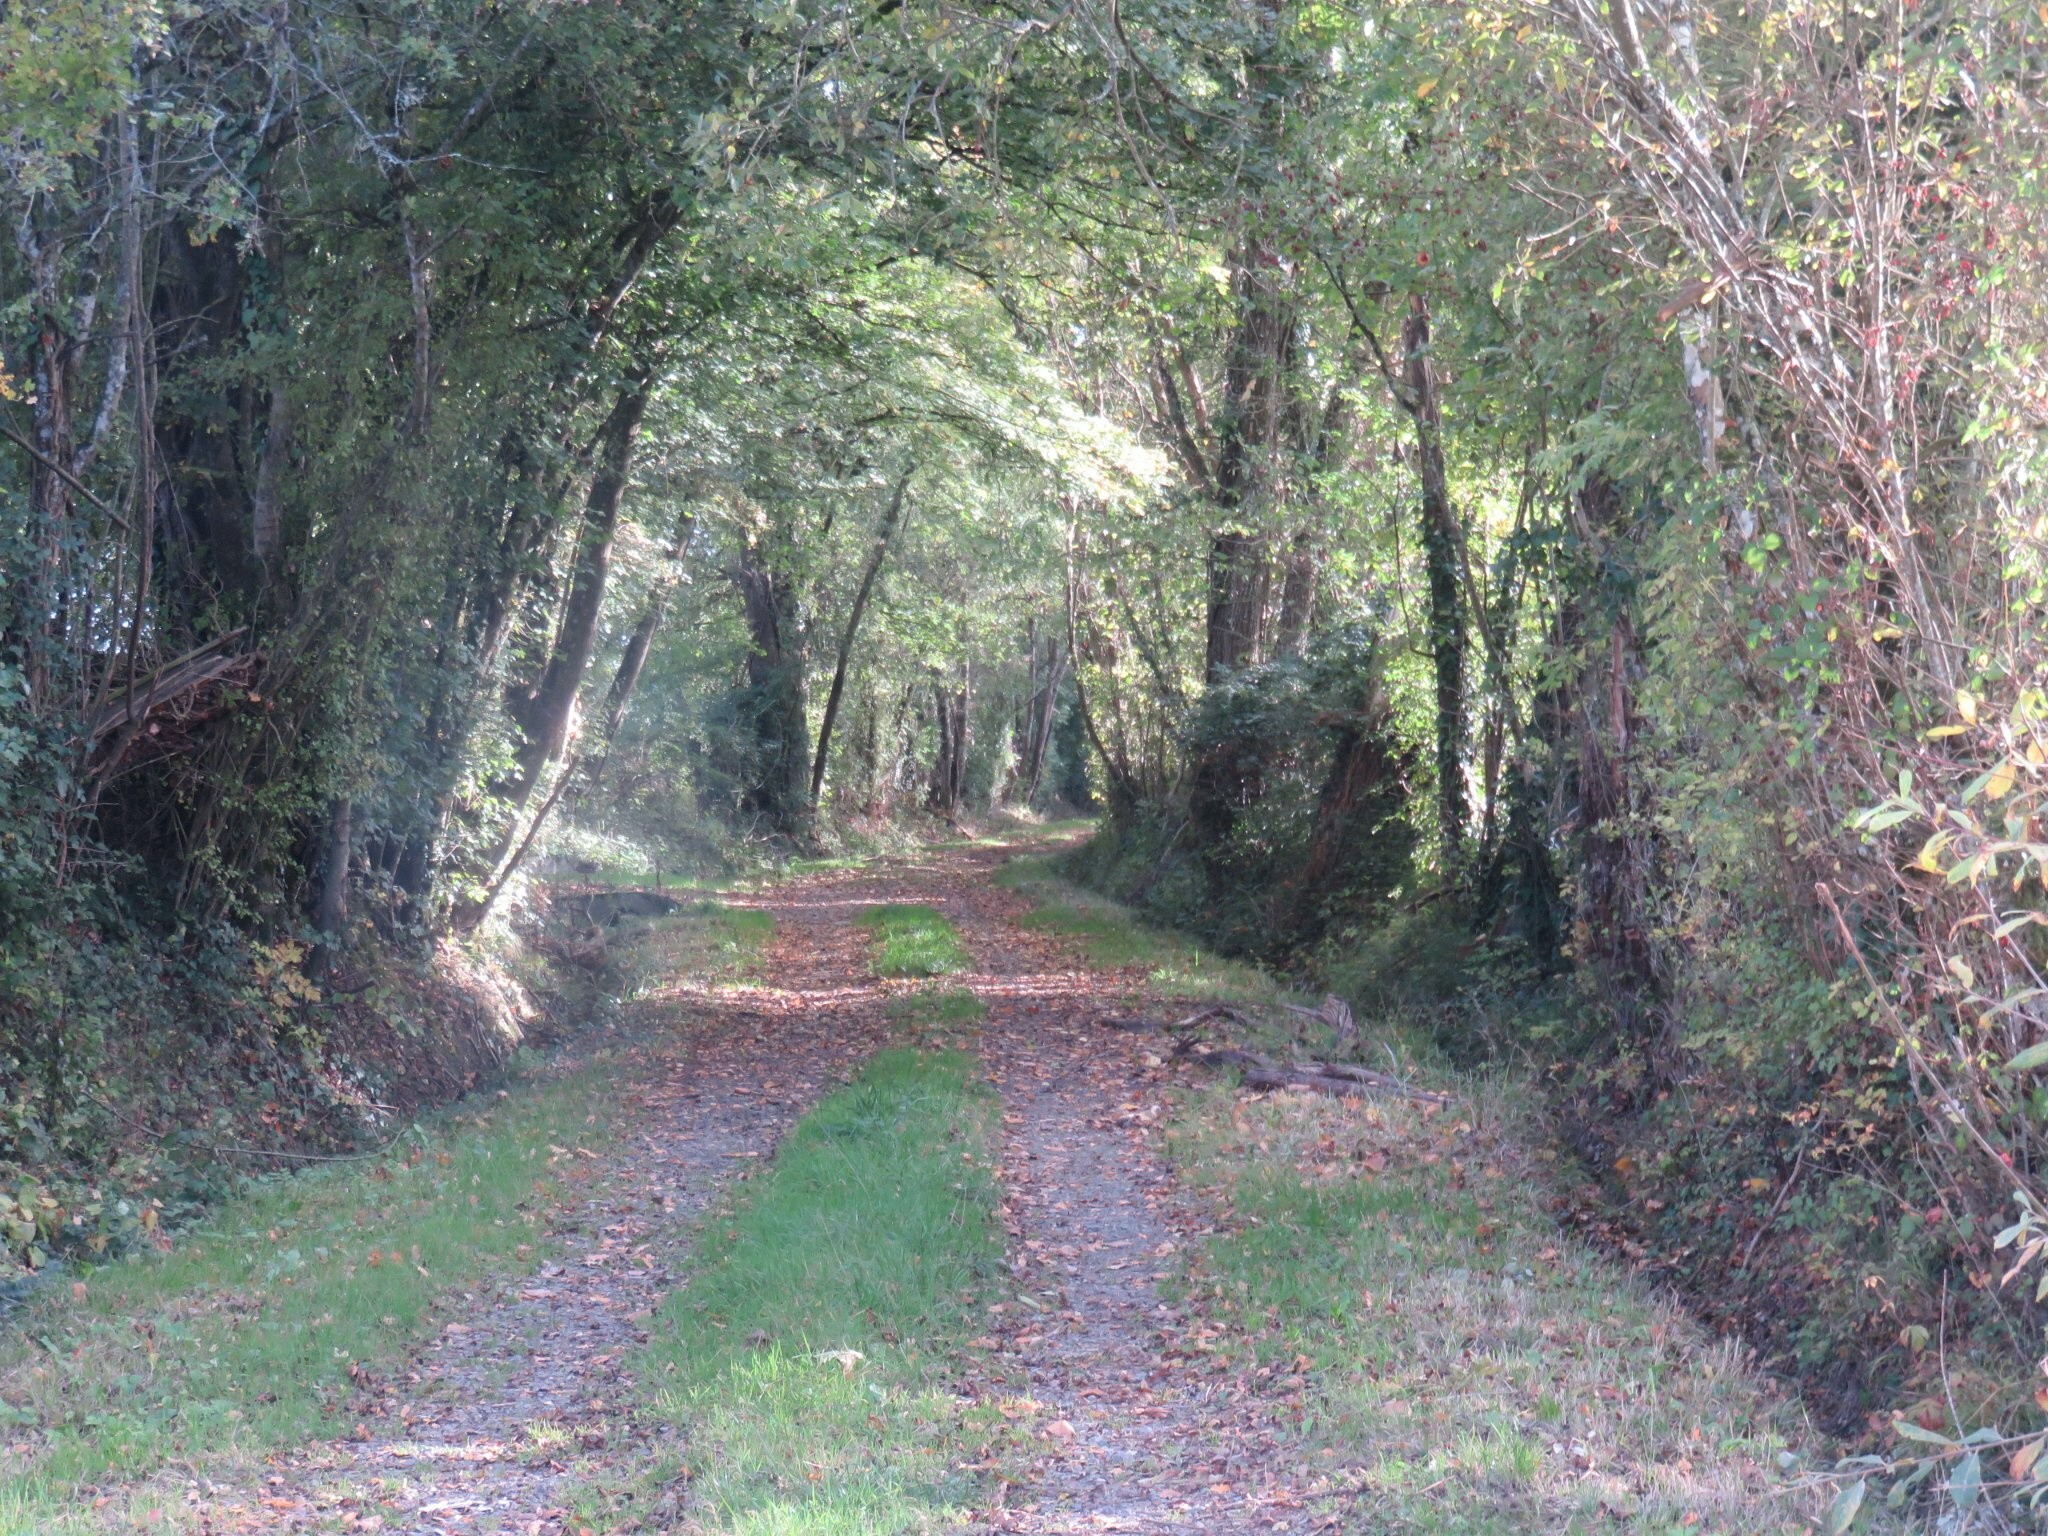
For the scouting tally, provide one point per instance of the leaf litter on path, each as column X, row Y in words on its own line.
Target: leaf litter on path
column 520, row 1410
column 1140, row 1432
column 521, row 1405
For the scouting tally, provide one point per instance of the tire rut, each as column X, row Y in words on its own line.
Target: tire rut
column 525, row 1400
column 1096, row 1225
column 495, row 1425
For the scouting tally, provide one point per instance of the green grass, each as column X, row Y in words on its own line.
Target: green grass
column 912, row 940
column 706, row 941
column 1458, row 1362
column 1010, row 829
column 241, row 1339
column 1109, row 935
column 810, row 1362
column 833, row 864
column 736, row 935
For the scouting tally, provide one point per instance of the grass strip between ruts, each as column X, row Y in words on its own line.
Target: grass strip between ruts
column 812, row 1361
column 913, row 940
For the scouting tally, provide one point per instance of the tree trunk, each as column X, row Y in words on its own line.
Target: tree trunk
column 1297, row 595
column 949, row 769
column 775, row 678
column 1615, row 915
column 633, row 660
column 1240, row 568
column 547, row 715
column 1366, row 789
column 1443, row 554
column 1122, row 789
column 1043, row 716
column 330, row 915
column 890, row 520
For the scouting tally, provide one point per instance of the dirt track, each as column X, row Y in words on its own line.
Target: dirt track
column 499, row 1420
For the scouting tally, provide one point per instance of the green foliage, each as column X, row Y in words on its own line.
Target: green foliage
column 809, row 1360
column 1414, row 960
column 1296, row 825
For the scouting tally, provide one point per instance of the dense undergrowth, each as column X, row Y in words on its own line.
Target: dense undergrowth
column 185, row 1067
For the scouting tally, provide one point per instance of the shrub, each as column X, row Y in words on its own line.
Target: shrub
column 1295, row 825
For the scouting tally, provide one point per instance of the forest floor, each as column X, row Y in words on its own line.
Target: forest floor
column 1189, row 1311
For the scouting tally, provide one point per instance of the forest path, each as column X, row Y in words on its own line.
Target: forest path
column 500, row 1421
column 1138, row 1439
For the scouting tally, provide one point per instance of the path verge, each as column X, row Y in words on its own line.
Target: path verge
column 1383, row 1323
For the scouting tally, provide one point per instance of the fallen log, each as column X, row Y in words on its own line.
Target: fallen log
column 1137, row 1023
column 1337, row 1087
column 1379, row 1082
column 1130, row 1022
column 1204, row 1015
column 1224, row 1056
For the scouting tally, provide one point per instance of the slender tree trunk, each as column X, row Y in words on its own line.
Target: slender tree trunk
column 331, row 912
column 1047, row 709
column 39, row 581
column 949, row 769
column 1617, row 859
column 633, row 660
column 266, row 507
column 1443, row 554
column 867, row 749
column 775, row 677
column 1122, row 791
column 546, row 717
column 890, row 520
